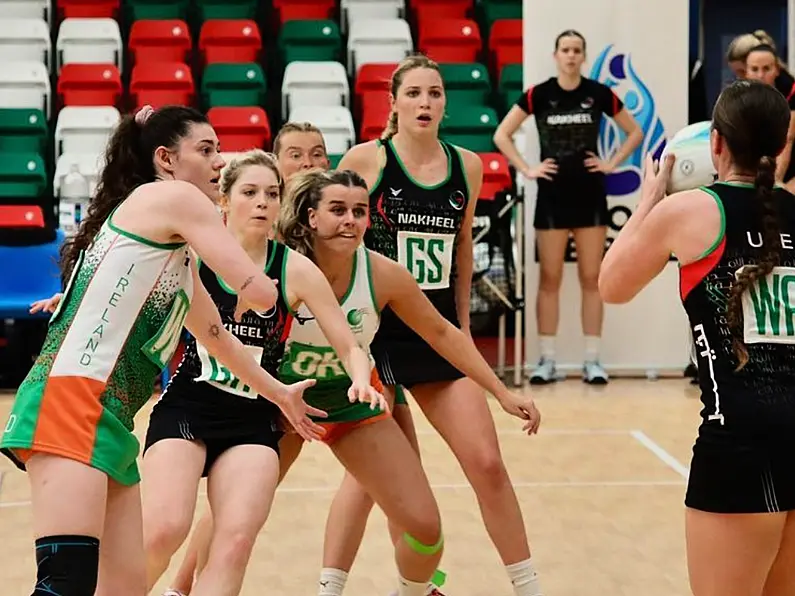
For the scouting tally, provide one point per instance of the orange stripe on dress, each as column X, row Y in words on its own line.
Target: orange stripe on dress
column 68, row 416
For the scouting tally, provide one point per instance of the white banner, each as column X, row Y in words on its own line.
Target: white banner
column 647, row 67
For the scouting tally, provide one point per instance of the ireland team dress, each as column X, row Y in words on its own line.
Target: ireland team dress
column 115, row 329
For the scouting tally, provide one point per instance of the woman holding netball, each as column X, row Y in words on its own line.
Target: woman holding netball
column 732, row 242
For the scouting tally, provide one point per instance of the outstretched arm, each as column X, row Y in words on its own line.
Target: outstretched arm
column 204, row 322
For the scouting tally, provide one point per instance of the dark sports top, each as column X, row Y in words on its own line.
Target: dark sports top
column 760, row 396
column 418, row 226
column 202, row 379
column 786, row 84
column 568, row 121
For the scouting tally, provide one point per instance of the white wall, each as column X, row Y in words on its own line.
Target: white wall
column 651, row 333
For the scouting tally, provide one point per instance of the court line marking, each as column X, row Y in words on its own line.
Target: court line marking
column 542, row 431
column 665, row 457
column 2, row 476
column 456, row 486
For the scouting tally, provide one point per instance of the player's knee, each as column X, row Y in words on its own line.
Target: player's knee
column 427, row 542
column 232, row 547
column 549, row 280
column 589, row 282
column 425, row 527
column 489, row 469
column 166, row 533
column 67, row 565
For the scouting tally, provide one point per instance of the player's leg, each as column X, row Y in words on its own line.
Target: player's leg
column 381, row 458
column 240, row 488
column 551, row 244
column 122, row 564
column 68, row 500
column 590, row 244
column 780, row 580
column 171, row 472
column 199, row 545
column 731, row 554
column 459, row 412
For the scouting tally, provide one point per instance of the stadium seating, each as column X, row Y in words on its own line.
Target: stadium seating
column 241, row 128
column 23, row 130
column 29, row 272
column 160, row 41
column 89, row 85
column 25, row 39
column 251, row 65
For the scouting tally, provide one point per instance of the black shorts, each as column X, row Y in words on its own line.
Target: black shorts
column 410, row 363
column 174, row 417
column 570, row 206
column 744, row 476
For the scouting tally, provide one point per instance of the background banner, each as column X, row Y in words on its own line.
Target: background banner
column 639, row 49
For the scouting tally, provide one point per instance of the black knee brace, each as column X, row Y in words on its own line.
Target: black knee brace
column 67, row 566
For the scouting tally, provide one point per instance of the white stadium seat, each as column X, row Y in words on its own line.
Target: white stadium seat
column 314, row 84
column 84, row 129
column 25, row 84
column 378, row 40
column 89, row 41
column 25, row 39
column 335, row 122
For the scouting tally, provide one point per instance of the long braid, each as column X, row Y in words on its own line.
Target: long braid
column 770, row 256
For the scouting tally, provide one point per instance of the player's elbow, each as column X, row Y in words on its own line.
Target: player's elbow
column 611, row 288
column 260, row 292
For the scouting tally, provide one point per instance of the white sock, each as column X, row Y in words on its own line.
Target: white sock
column 592, row 348
column 407, row 588
column 547, row 346
column 524, row 578
column 332, row 582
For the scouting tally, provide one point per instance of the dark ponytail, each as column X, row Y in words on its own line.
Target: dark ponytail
column 753, row 119
column 770, row 255
column 128, row 163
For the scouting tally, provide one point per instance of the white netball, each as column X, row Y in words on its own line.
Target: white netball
column 693, row 167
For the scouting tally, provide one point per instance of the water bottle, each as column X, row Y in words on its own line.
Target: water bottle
column 73, row 200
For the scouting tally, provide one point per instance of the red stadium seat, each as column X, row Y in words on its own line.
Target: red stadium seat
column 450, row 40
column 375, row 112
column 87, row 9
column 503, row 55
column 89, row 85
column 447, row 9
column 372, row 78
column 160, row 41
column 228, row 41
column 161, row 83
column 315, row 10
column 496, row 175
column 505, row 32
column 241, row 128
column 21, row 216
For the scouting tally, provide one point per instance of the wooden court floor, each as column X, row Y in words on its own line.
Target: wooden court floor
column 601, row 487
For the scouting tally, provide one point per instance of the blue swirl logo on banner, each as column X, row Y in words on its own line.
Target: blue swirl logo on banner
column 615, row 70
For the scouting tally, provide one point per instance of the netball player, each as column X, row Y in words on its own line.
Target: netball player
column 131, row 285
column 422, row 203
column 740, row 46
column 762, row 64
column 300, row 146
column 214, row 425
column 571, row 197
column 733, row 243
column 326, row 215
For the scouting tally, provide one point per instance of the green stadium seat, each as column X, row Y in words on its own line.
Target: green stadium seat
column 466, row 83
column 156, row 10
column 489, row 11
column 241, row 84
column 334, row 160
column 23, row 130
column 310, row 40
column 226, row 9
column 22, row 176
column 511, row 85
column 471, row 127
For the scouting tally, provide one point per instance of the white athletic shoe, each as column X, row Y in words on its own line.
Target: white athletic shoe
column 544, row 373
column 594, row 374
column 171, row 592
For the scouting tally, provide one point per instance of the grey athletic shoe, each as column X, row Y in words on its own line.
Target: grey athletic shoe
column 544, row 373
column 594, row 374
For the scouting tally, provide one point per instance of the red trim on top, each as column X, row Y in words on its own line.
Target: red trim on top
column 791, row 92
column 615, row 103
column 694, row 273
column 530, row 100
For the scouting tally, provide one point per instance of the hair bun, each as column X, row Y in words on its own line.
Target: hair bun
column 144, row 114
